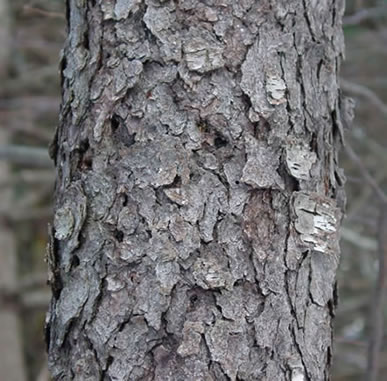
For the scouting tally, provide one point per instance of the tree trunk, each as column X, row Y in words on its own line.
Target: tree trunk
column 198, row 195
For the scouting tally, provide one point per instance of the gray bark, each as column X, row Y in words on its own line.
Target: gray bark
column 198, row 195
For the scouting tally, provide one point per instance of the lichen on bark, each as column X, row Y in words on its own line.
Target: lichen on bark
column 196, row 228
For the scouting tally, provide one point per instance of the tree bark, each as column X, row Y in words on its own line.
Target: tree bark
column 198, row 194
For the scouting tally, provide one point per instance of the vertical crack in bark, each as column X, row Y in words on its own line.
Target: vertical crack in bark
column 307, row 18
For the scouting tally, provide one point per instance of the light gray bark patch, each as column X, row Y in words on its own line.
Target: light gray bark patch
column 100, row 82
column 229, row 352
column 238, row 192
column 128, row 219
column 109, row 315
column 126, row 75
column 86, row 366
column 317, row 221
column 211, row 271
column 78, row 95
column 63, row 223
column 299, row 160
column 210, row 217
column 192, row 336
column 253, row 366
column 100, row 191
column 302, row 287
column 72, row 298
column 123, row 8
column 260, row 170
column 262, row 79
column 69, row 220
column 186, row 235
column 170, row 367
column 178, row 195
column 267, row 323
column 161, row 22
column 133, row 247
column 156, row 163
column 129, row 351
column 167, row 273
column 146, row 200
column 202, row 52
column 275, row 89
column 293, row 252
column 107, row 8
column 164, row 105
column 274, row 271
column 193, row 199
column 176, row 314
column 131, row 39
column 230, row 236
column 323, row 275
column 242, row 302
column 237, row 38
column 317, row 339
column 259, row 231
column 153, row 304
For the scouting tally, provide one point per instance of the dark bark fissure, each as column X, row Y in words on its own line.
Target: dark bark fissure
column 195, row 220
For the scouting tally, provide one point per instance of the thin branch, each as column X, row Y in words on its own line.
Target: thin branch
column 30, row 80
column 360, row 202
column 27, row 201
column 356, row 89
column 377, row 319
column 365, row 173
column 29, row 129
column 375, row 147
column 365, row 243
column 26, row 299
column 32, row 281
column 29, row 156
column 35, row 299
column 19, row 215
column 376, row 337
column 364, row 15
column 344, row 340
column 29, row 177
column 30, row 10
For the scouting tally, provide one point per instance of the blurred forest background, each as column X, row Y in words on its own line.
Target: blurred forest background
column 31, row 36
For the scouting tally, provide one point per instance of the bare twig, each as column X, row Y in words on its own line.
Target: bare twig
column 356, row 89
column 361, row 201
column 344, row 340
column 29, row 156
column 29, row 177
column 375, row 147
column 30, row 79
column 377, row 318
column 365, row 243
column 18, row 215
column 26, row 299
column 32, row 280
column 365, row 15
column 365, row 173
column 376, row 337
column 30, row 10
column 38, row 299
column 31, row 130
